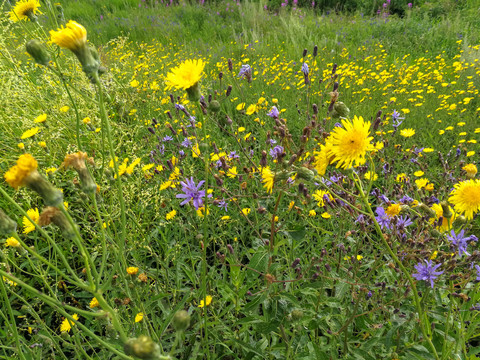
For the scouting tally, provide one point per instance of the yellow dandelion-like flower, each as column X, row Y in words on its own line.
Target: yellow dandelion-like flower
column 351, row 142
column 40, row 118
column 393, row 210
column 94, row 303
column 407, row 132
column 26, row 164
column 323, row 158
column 186, row 75
column 268, row 178
column 402, row 177
column 421, row 183
column 25, row 10
column 72, row 37
column 30, row 132
column 246, row 211
column 371, row 175
column 132, row 270
column 312, row 213
column 28, row 226
column 470, row 169
column 171, row 215
column 466, row 197
column 68, row 324
column 11, row 241
column 204, row 303
column 232, row 172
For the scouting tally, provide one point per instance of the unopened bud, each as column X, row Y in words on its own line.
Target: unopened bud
column 214, row 106
column 142, row 347
column 229, row 90
column 230, row 65
column 447, row 213
column 181, row 320
column 37, row 50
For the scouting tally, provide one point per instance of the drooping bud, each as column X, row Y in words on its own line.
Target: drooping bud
column 37, row 50
column 340, row 110
column 77, row 162
column 50, row 215
column 447, row 213
column 305, row 173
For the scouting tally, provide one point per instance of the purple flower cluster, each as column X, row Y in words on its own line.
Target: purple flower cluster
column 274, row 113
column 276, row 152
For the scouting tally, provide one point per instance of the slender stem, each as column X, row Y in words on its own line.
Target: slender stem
column 421, row 314
column 44, row 234
column 32, row 252
column 13, row 325
column 103, row 239
column 61, row 309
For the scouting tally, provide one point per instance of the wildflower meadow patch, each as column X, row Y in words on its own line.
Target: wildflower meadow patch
column 267, row 181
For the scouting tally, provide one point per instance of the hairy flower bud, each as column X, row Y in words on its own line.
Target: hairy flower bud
column 37, row 50
column 181, row 320
column 142, row 347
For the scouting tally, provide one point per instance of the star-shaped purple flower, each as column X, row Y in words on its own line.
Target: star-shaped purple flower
column 192, row 192
column 427, row 272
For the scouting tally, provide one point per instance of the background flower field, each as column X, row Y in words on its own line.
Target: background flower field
column 240, row 180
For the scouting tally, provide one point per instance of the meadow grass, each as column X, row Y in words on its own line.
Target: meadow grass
column 284, row 253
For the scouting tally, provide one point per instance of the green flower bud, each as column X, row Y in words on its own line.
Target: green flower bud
column 214, row 106
column 181, row 320
column 340, row 110
column 297, row 314
column 142, row 347
column 447, row 213
column 305, row 173
column 194, row 93
column 37, row 50
column 427, row 210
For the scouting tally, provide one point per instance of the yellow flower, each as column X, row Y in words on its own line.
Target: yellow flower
column 67, row 324
column 132, row 270
column 131, row 167
column 21, row 146
column 421, row 183
column 393, row 210
column 319, row 195
column 171, row 215
column 139, row 317
column 24, row 10
column 407, row 132
column 86, row 120
column 43, row 144
column 326, row 215
column 466, row 197
column 232, row 172
column 30, row 132
column 165, row 185
column 94, row 303
column 446, row 222
column 64, row 109
column 251, row 109
column 15, row 176
column 208, row 301
column 186, row 75
column 11, row 241
column 40, row 119
column 351, row 142
column 371, row 175
column 134, row 83
column 240, row 106
column 72, row 37
column 27, row 225
column 312, row 213
column 470, row 169
column 323, row 158
column 418, row 173
column 268, row 178
column 434, row 255
column 290, row 206
column 224, row 218
column 246, row 211
column 401, row 177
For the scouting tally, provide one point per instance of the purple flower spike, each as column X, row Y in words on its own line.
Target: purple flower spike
column 427, row 272
column 305, row 69
column 477, row 267
column 276, row 152
column 192, row 192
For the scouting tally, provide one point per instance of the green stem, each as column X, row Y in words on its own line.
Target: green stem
column 44, row 233
column 422, row 316
column 13, row 325
column 61, row 309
